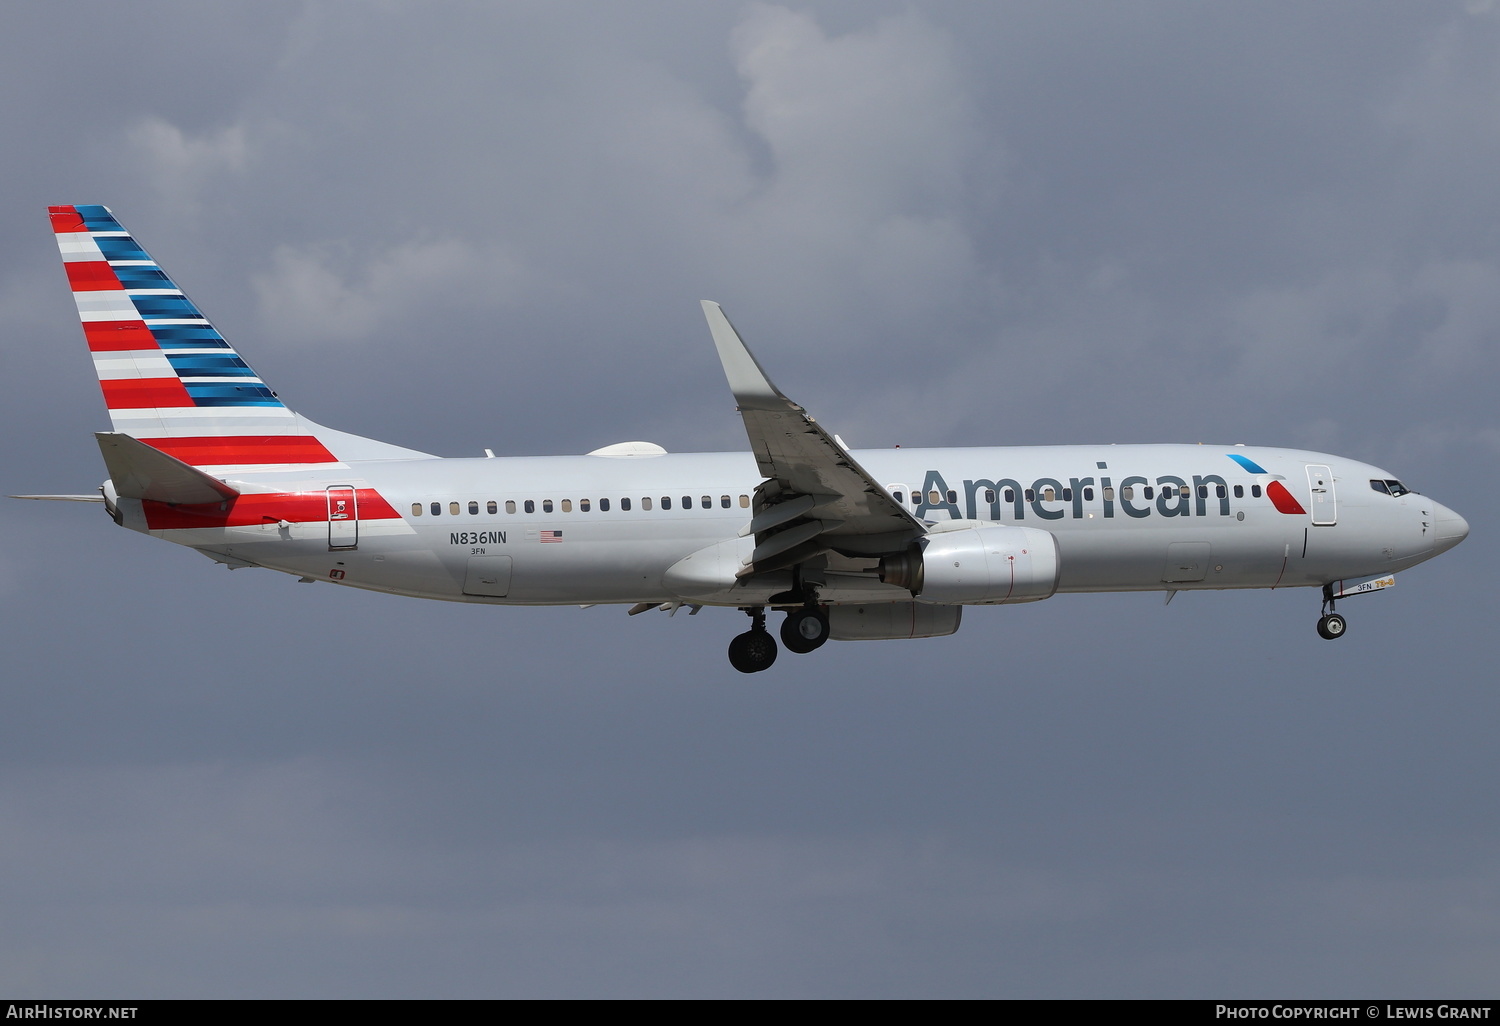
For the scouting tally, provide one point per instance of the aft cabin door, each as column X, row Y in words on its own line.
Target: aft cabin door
column 1320, row 485
column 343, row 518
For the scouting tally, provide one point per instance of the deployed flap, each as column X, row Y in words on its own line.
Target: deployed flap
column 804, row 460
column 141, row 472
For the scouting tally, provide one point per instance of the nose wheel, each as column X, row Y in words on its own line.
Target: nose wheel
column 1331, row 625
column 755, row 650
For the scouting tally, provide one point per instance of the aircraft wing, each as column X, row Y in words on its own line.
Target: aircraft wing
column 816, row 496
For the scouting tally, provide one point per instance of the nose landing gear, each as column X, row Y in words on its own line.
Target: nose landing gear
column 1330, row 625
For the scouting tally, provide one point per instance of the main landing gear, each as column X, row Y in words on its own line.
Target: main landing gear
column 803, row 630
column 1330, row 625
column 755, row 650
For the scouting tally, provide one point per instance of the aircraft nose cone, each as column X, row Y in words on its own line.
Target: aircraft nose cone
column 1448, row 528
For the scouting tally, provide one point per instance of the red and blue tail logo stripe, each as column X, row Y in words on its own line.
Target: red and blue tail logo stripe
column 1282, row 499
column 168, row 376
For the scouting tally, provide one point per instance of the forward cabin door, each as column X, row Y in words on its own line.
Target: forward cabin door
column 1320, row 486
column 343, row 518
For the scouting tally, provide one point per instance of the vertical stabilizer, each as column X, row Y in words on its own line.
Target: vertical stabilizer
column 169, row 378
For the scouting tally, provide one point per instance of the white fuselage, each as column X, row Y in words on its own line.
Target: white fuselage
column 601, row 529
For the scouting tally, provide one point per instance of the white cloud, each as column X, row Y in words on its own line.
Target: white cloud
column 873, row 147
column 310, row 294
column 179, row 164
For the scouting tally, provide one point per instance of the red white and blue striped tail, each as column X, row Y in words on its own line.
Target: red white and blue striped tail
column 169, row 378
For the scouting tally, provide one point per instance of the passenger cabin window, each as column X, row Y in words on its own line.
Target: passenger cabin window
column 530, row 506
column 899, row 496
column 1109, row 494
column 473, row 508
column 744, row 502
column 952, row 495
column 490, row 507
column 1031, row 495
column 567, row 505
column 1049, row 495
column 708, row 502
column 1067, row 495
column 583, row 505
column 666, row 502
column 1088, row 495
column 646, row 502
column 1203, row 491
column 510, row 505
column 603, row 505
column 1219, row 492
column 437, row 509
column 1127, row 492
column 453, row 508
column 989, row 495
column 625, row 504
column 1010, row 495
column 687, row 502
column 416, row 509
column 1148, row 492
column 1185, row 491
column 934, row 497
column 546, row 505
column 724, row 501
column 1239, row 491
column 1255, row 491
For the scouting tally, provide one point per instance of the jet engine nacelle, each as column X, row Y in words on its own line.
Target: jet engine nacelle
column 890, row 621
column 977, row 563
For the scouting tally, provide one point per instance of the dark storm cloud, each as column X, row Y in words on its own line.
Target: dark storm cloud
column 465, row 225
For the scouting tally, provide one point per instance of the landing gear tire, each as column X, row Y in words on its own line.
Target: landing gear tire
column 804, row 630
column 753, row 651
column 1331, row 626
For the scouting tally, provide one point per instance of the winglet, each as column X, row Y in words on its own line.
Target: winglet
column 140, row 471
column 751, row 388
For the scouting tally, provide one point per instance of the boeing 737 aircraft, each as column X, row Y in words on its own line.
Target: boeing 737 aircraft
column 847, row 544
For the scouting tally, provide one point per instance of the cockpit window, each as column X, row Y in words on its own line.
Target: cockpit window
column 1396, row 487
column 1380, row 487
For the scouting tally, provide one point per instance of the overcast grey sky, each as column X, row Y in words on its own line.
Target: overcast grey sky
column 464, row 225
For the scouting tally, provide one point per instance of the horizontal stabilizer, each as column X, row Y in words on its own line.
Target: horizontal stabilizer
column 141, row 472
column 62, row 498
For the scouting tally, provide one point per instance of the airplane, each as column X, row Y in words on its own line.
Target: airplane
column 848, row 545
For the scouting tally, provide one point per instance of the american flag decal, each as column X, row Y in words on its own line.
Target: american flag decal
column 551, row 536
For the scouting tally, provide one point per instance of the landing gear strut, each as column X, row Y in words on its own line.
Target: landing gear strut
column 755, row 650
column 804, row 629
column 1330, row 625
